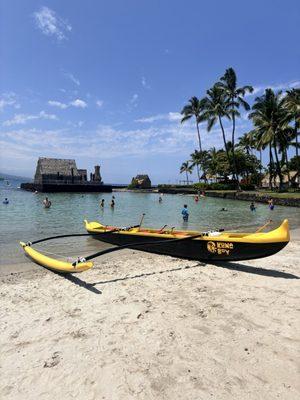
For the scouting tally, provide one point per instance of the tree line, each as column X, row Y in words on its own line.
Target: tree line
column 275, row 117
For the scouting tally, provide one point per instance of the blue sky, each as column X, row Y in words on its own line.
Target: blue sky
column 104, row 81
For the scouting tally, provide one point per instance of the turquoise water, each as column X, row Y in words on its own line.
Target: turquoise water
column 26, row 219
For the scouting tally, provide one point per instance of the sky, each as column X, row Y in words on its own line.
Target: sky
column 104, row 82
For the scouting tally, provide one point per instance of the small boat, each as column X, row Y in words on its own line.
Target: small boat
column 195, row 245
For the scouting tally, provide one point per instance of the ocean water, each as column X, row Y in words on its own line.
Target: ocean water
column 25, row 218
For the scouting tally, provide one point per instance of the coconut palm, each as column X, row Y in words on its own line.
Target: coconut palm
column 235, row 96
column 194, row 109
column 246, row 143
column 216, row 107
column 187, row 168
column 200, row 158
column 292, row 105
column 270, row 121
column 196, row 162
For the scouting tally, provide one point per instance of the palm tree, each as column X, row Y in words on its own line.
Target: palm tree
column 246, row 143
column 217, row 106
column 235, row 95
column 187, row 168
column 200, row 158
column 271, row 126
column 196, row 160
column 194, row 109
column 292, row 105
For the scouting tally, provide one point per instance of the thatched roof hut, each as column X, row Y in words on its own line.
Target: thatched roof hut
column 56, row 169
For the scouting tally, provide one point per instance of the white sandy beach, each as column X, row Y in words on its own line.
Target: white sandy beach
column 142, row 326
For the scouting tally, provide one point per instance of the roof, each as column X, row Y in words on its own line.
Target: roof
column 142, row 177
column 49, row 166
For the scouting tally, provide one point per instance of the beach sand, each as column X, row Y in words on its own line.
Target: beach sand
column 143, row 326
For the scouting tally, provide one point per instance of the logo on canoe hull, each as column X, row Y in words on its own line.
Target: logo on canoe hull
column 220, row 248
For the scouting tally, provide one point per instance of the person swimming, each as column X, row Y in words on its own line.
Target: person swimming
column 160, row 199
column 223, row 209
column 252, row 207
column 47, row 203
column 185, row 213
column 6, row 201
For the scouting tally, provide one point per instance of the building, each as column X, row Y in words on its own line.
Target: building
column 56, row 170
column 141, row 182
column 62, row 175
column 294, row 180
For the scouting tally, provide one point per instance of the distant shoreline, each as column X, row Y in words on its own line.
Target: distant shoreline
column 282, row 199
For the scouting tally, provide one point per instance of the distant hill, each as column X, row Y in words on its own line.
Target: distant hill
column 15, row 177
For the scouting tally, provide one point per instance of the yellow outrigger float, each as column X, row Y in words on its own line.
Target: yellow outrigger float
column 53, row 264
column 211, row 246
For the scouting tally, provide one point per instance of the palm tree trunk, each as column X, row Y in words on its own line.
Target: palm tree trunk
column 260, row 166
column 270, row 166
column 287, row 167
column 224, row 139
column 233, row 153
column 187, row 177
column 297, row 152
column 278, row 167
column 199, row 138
column 198, row 172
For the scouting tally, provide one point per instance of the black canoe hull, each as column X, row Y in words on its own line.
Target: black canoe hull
column 202, row 250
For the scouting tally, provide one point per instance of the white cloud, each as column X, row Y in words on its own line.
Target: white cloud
column 276, row 87
column 21, row 119
column 75, row 103
column 99, row 103
column 144, row 83
column 78, row 103
column 72, row 78
column 171, row 116
column 58, row 104
column 8, row 100
column 51, row 24
column 134, row 100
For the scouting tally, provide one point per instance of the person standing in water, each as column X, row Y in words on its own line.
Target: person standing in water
column 160, row 199
column 6, row 201
column 271, row 204
column 47, row 203
column 102, row 203
column 252, row 207
column 112, row 204
column 185, row 213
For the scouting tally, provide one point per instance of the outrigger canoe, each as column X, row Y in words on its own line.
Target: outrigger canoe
column 193, row 245
column 203, row 246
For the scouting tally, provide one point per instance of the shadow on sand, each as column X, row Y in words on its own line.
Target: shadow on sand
column 274, row 273
column 228, row 265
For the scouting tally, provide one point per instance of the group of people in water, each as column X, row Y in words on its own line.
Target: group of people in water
column 185, row 212
column 112, row 203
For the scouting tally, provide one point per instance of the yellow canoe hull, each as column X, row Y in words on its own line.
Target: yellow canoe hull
column 53, row 264
column 208, row 246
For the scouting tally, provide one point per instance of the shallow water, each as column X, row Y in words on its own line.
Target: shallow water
column 25, row 218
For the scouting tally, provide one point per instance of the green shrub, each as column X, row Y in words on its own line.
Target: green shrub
column 247, row 187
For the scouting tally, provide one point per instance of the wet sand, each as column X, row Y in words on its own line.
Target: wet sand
column 143, row 326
